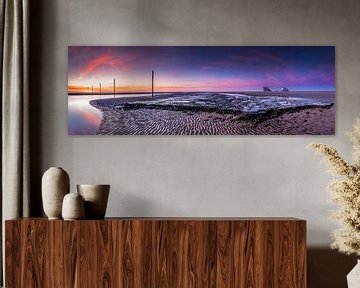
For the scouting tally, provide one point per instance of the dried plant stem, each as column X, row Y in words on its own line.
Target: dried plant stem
column 345, row 192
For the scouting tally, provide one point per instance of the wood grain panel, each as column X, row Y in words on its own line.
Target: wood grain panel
column 133, row 253
column 244, row 237
column 147, row 261
column 33, row 257
column 13, row 252
column 127, row 261
column 116, row 231
column 268, row 253
column 152, row 252
column 301, row 258
column 162, row 231
column 55, row 268
column 173, row 248
column 105, row 268
column 224, row 253
column 71, row 248
column 285, row 254
column 208, row 268
column 88, row 254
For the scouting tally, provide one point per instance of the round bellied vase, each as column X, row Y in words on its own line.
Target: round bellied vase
column 96, row 198
column 73, row 207
column 55, row 185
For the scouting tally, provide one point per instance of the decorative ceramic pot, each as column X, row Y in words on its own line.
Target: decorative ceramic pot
column 73, row 207
column 96, row 198
column 55, row 185
column 353, row 278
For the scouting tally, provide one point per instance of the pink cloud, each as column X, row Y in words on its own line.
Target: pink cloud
column 107, row 59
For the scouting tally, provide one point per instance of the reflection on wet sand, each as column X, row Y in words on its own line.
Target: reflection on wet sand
column 83, row 118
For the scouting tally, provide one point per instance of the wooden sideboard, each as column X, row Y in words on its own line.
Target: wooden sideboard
column 156, row 252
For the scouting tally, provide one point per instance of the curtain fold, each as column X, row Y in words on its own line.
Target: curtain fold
column 14, row 111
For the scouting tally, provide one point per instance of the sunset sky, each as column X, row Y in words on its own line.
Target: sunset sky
column 195, row 68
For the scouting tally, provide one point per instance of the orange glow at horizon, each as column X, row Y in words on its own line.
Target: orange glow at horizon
column 134, row 88
column 107, row 89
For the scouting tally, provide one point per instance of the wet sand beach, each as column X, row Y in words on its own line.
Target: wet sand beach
column 218, row 114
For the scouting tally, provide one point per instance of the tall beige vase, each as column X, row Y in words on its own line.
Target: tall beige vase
column 55, row 185
column 96, row 198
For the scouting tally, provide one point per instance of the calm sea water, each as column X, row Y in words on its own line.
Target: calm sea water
column 84, row 119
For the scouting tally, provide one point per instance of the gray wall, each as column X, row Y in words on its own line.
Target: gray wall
column 193, row 176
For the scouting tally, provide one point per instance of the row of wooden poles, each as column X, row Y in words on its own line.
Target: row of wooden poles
column 114, row 92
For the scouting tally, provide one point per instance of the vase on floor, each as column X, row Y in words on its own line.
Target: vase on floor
column 73, row 207
column 55, row 185
column 96, row 198
column 353, row 278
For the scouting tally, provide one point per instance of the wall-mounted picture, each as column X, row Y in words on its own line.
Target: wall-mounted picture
column 201, row 90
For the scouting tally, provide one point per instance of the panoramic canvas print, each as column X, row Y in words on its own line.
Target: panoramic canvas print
column 201, row 90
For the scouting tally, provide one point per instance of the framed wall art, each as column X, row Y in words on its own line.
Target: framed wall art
column 201, row 90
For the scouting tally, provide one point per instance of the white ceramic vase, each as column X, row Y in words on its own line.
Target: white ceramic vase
column 353, row 278
column 96, row 198
column 73, row 207
column 55, row 185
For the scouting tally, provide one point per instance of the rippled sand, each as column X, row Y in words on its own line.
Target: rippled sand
column 315, row 121
column 205, row 113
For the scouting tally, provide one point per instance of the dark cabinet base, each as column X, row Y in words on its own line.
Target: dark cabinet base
column 156, row 252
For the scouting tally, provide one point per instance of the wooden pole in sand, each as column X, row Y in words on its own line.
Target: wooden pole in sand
column 114, row 87
column 100, row 89
column 92, row 89
column 152, row 83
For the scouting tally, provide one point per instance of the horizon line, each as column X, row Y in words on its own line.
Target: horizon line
column 160, row 92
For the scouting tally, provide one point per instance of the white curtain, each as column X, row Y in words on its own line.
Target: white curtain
column 14, row 25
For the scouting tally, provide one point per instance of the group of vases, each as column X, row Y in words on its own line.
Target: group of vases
column 89, row 202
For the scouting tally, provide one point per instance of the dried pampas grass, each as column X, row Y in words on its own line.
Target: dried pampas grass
column 345, row 191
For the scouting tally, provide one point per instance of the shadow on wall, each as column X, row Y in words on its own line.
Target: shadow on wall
column 35, row 64
column 328, row 268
